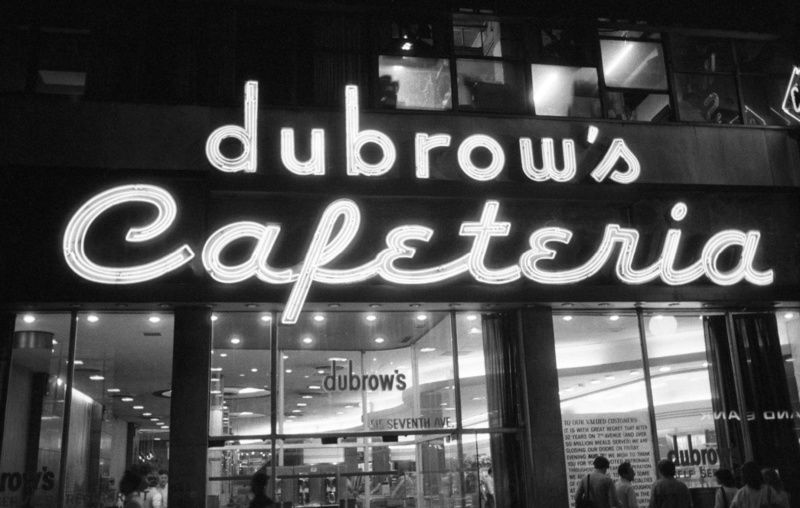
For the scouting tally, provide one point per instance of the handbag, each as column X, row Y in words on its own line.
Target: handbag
column 585, row 499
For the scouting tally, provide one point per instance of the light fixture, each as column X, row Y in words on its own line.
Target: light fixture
column 567, row 318
column 610, row 378
column 223, row 355
column 474, row 330
column 288, row 371
column 705, row 365
column 301, row 404
column 92, row 318
column 147, row 414
column 59, row 381
column 254, row 369
column 307, row 340
column 595, row 381
column 235, row 340
column 313, row 387
column 422, row 317
column 138, row 408
column 29, row 318
column 154, row 319
column 266, row 318
column 634, row 373
column 788, row 316
column 246, row 413
column 320, row 371
column 319, row 318
column 379, row 340
column 371, row 317
column 153, row 419
column 613, row 317
column 427, row 350
column 214, row 317
column 96, row 377
column 472, row 317
column 337, row 359
column 113, row 390
column 296, row 411
column 348, row 406
column 307, row 397
column 216, row 369
column 665, row 369
column 285, row 357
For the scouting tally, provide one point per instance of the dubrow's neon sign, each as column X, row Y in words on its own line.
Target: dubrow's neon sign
column 340, row 221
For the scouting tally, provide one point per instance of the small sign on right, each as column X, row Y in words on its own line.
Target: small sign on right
column 791, row 101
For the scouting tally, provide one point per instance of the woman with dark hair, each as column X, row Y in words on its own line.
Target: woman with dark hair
column 755, row 492
column 727, row 488
column 771, row 478
column 258, row 484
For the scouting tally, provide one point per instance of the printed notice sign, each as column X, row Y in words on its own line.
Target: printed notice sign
column 619, row 438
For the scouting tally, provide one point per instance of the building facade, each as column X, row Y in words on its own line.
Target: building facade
column 417, row 256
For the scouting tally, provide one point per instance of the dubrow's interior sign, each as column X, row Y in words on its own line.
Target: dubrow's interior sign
column 337, row 227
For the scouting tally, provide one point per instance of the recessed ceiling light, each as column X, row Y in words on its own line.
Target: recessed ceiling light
column 318, row 318
column 78, row 362
column 313, row 387
column 307, row 397
column 474, row 330
column 216, row 392
column 96, row 377
column 214, row 317
column 216, row 369
column 320, row 371
column 154, row 319
column 472, row 317
column 128, row 399
column 301, row 404
column 348, row 406
column 613, row 317
column 634, row 373
column 307, row 340
column 665, row 369
column 379, row 340
column 610, row 378
column 285, row 357
column 153, row 419
column 92, row 318
column 138, row 408
column 223, row 355
column 371, row 317
column 337, row 359
column 566, row 318
column 427, row 350
column 235, row 340
column 288, row 371
column 165, row 427
column 147, row 414
column 705, row 365
column 266, row 318
column 29, row 318
column 422, row 317
column 443, row 404
column 113, row 390
column 595, row 381
column 246, row 413
column 254, row 369
column 788, row 315
column 296, row 411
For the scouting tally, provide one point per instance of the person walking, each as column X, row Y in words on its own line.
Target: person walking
column 773, row 479
column 727, row 488
column 667, row 492
column 624, row 486
column 755, row 493
column 598, row 486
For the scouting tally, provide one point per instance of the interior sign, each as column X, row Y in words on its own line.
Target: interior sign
column 727, row 257
column 791, row 101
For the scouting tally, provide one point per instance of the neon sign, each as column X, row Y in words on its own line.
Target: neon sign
column 791, row 101
column 424, row 143
column 339, row 223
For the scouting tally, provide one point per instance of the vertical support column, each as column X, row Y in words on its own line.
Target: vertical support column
column 7, row 320
column 543, row 409
column 188, row 430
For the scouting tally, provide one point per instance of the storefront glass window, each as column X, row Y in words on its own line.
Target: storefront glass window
column 414, row 83
column 231, row 466
column 637, row 106
column 35, row 410
column 604, row 406
column 472, row 370
column 490, row 85
column 763, row 97
column 565, row 91
column 789, row 335
column 764, row 57
column 701, row 54
column 682, row 397
column 121, row 395
column 240, row 374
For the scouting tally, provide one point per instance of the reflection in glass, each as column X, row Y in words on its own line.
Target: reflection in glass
column 414, row 83
column 477, row 36
column 565, row 91
column 764, row 56
column 490, row 85
column 604, row 407
column 638, row 106
column 763, row 97
column 629, row 64
column 707, row 98
column 122, row 382
column 240, row 374
column 35, row 408
column 573, row 46
column 681, row 386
